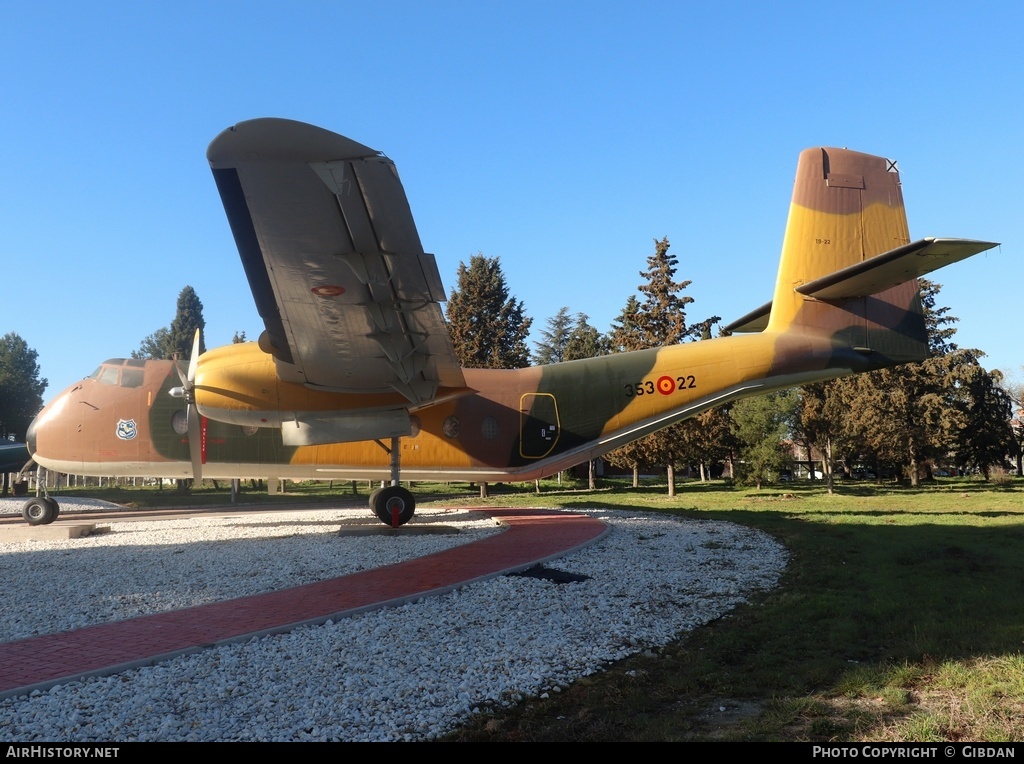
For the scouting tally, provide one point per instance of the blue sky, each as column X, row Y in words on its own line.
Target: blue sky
column 562, row 137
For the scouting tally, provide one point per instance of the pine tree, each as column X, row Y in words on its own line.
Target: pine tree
column 761, row 425
column 985, row 438
column 488, row 328
column 21, row 388
column 626, row 334
column 187, row 318
column 165, row 342
column 705, row 440
column 661, row 319
column 909, row 414
column 821, row 423
column 154, row 346
column 554, row 338
column 584, row 341
column 658, row 320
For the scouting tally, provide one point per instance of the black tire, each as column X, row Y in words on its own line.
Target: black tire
column 39, row 511
column 53, row 503
column 387, row 500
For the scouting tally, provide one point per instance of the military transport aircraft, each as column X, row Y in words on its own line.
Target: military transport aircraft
column 355, row 374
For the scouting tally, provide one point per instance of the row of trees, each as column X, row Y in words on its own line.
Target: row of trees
column 947, row 407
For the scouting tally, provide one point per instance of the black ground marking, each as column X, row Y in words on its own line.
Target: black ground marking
column 550, row 574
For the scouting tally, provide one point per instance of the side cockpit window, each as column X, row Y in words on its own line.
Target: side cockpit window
column 108, row 375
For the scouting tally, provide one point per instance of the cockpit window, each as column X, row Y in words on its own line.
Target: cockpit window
column 111, row 373
column 131, row 377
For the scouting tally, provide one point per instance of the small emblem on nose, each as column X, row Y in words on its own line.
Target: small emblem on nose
column 126, row 429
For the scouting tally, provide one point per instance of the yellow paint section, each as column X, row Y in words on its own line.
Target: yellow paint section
column 427, row 449
column 699, row 370
column 239, row 384
column 819, row 243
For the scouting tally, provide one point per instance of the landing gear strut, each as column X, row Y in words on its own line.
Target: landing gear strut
column 393, row 505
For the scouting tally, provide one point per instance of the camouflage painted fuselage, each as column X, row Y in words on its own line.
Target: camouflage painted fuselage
column 517, row 424
column 847, row 207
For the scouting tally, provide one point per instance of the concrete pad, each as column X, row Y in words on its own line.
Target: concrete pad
column 11, row 533
column 403, row 530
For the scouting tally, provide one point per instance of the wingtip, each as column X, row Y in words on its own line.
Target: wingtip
column 274, row 139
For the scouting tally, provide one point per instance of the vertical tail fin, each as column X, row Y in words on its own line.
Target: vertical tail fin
column 847, row 208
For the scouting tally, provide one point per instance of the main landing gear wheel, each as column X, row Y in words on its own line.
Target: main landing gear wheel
column 393, row 505
column 41, row 510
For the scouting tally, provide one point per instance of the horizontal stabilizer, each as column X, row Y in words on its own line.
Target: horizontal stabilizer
column 892, row 268
column 754, row 321
column 874, row 275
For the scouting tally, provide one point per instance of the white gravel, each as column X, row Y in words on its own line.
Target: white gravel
column 406, row 673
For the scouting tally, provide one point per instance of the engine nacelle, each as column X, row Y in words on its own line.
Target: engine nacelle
column 238, row 384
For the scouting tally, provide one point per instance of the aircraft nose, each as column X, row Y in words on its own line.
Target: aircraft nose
column 30, row 437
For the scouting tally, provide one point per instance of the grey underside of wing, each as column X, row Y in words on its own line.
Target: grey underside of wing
column 349, row 298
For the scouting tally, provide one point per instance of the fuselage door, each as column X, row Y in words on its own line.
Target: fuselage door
column 538, row 425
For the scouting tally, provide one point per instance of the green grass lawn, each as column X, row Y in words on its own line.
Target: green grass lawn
column 900, row 617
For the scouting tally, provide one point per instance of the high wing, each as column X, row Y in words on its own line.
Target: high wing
column 349, row 299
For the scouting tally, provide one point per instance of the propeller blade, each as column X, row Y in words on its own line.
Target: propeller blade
column 195, row 420
column 181, row 375
column 195, row 443
column 193, row 361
